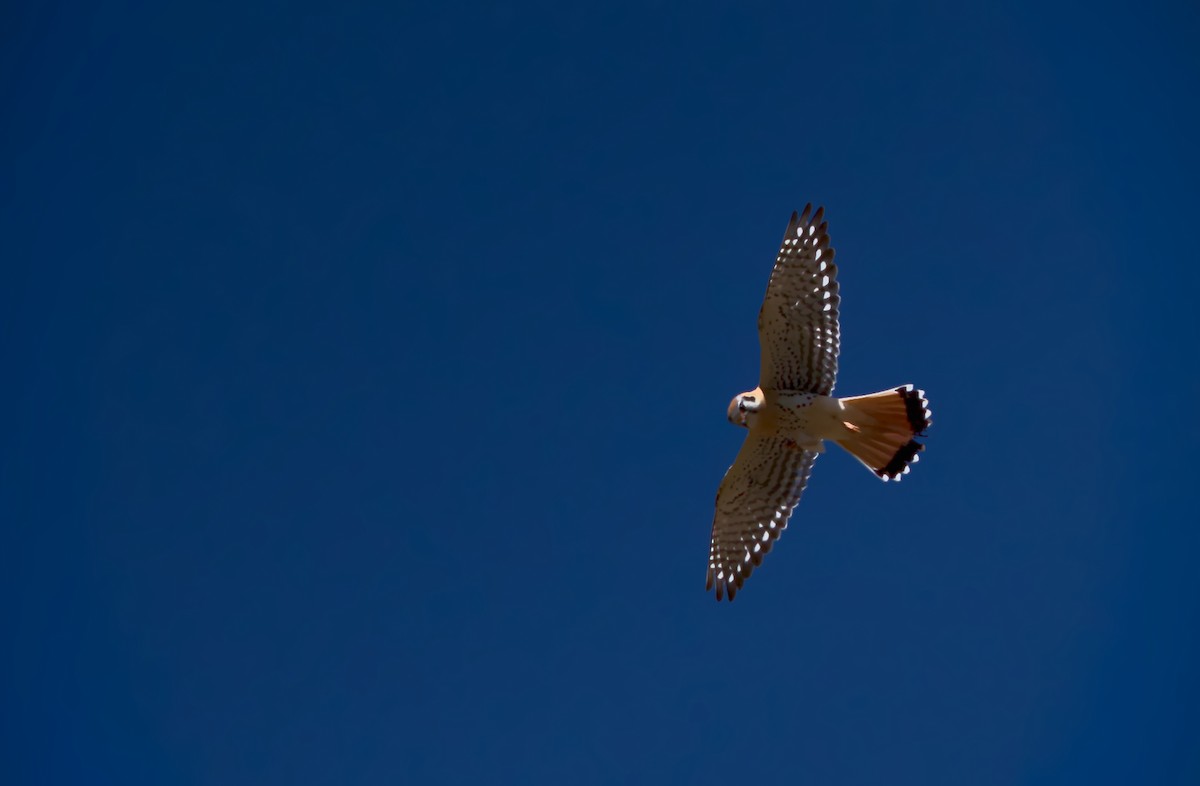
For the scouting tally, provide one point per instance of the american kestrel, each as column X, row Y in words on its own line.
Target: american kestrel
column 791, row 412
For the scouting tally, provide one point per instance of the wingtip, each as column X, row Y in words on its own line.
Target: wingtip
column 794, row 223
column 725, row 588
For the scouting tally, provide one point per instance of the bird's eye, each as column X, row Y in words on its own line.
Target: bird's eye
column 741, row 406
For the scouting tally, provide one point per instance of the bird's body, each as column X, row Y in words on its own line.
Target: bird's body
column 792, row 411
column 803, row 418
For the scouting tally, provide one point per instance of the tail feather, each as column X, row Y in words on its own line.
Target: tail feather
column 881, row 427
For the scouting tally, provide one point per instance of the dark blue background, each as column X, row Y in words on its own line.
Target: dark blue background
column 365, row 375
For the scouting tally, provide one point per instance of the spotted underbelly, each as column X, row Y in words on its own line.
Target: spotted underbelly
column 809, row 417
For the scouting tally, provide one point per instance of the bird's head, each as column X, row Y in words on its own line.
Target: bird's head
column 744, row 408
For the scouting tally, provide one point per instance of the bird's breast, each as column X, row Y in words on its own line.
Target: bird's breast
column 805, row 414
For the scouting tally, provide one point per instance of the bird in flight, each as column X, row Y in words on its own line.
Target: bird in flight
column 792, row 412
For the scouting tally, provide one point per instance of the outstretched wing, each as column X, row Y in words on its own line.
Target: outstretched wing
column 798, row 322
column 754, row 503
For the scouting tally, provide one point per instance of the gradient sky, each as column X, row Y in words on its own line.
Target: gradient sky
column 366, row 373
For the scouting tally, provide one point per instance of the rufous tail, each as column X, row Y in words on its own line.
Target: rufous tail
column 881, row 428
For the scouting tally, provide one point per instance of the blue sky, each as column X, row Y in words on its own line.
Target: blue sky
column 366, row 375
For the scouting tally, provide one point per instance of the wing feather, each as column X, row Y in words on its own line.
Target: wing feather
column 754, row 504
column 798, row 321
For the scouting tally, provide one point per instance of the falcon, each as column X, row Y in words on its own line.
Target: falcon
column 792, row 411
